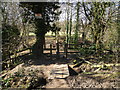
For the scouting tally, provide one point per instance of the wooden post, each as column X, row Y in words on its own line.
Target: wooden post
column 30, row 50
column 65, row 49
column 57, row 52
column 50, row 51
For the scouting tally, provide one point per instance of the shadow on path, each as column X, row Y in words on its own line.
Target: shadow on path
column 44, row 60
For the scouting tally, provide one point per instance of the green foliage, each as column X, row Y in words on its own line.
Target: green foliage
column 10, row 40
column 9, row 31
column 100, row 17
column 77, row 24
column 45, row 9
column 43, row 24
column 87, row 50
column 74, row 61
column 16, row 62
column 7, row 82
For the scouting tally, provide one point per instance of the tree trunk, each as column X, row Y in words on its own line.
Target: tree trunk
column 44, row 43
column 70, row 25
column 37, row 49
column 67, row 25
column 77, row 24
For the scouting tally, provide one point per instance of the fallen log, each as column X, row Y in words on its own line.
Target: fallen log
column 103, row 66
column 86, row 61
column 78, row 64
column 108, row 65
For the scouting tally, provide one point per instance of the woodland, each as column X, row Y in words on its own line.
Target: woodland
column 60, row 45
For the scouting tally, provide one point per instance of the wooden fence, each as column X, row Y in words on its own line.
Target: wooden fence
column 65, row 51
column 66, row 48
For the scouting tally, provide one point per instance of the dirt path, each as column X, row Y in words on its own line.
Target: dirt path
column 57, row 83
column 34, row 74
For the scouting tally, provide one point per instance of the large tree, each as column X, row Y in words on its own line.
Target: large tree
column 99, row 15
column 77, row 22
column 49, row 14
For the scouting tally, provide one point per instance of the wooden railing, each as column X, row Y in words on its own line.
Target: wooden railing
column 66, row 48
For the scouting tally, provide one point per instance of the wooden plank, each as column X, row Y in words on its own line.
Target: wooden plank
column 108, row 65
column 72, row 48
column 73, row 52
column 23, row 50
column 69, row 52
column 20, row 51
column 59, row 71
column 46, row 53
column 26, row 52
column 50, row 49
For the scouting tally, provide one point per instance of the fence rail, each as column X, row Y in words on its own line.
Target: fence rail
column 66, row 48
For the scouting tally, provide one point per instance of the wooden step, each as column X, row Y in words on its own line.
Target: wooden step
column 62, row 71
column 59, row 71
